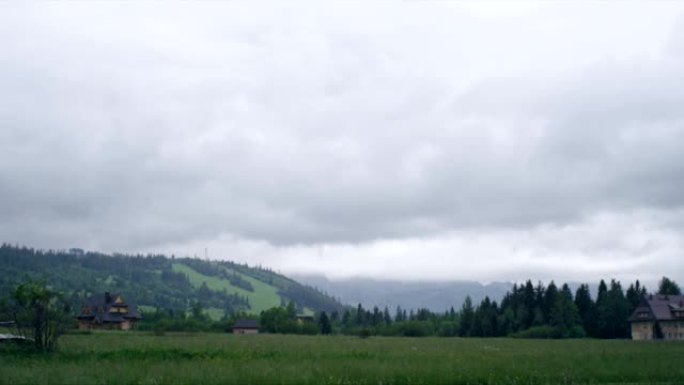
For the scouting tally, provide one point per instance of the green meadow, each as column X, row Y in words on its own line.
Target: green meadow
column 263, row 297
column 139, row 358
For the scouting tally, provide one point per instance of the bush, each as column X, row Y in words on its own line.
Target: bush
column 308, row 328
column 40, row 314
column 541, row 332
column 364, row 333
column 576, row 332
column 448, row 329
column 550, row 332
column 416, row 329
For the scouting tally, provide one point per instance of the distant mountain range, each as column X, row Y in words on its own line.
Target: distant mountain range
column 224, row 287
column 436, row 296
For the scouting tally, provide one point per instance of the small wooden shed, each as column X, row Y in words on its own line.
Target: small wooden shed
column 246, row 326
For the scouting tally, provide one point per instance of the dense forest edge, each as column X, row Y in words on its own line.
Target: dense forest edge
column 528, row 311
column 157, row 283
column 171, row 300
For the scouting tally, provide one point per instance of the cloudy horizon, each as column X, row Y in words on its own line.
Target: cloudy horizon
column 416, row 140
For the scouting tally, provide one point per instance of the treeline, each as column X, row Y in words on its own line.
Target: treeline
column 195, row 320
column 148, row 280
column 527, row 311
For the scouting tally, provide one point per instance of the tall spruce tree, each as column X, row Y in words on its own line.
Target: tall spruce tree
column 529, row 305
column 467, row 315
column 550, row 299
column 619, row 307
column 324, row 323
column 564, row 315
column 668, row 287
column 587, row 310
column 603, row 311
column 635, row 293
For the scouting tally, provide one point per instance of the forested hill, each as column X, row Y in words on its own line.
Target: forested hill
column 221, row 287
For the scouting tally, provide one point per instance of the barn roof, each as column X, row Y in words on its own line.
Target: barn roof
column 246, row 324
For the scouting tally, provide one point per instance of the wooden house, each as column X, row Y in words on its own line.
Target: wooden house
column 659, row 317
column 108, row 311
column 246, row 326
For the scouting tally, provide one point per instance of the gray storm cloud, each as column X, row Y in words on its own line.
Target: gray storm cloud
column 223, row 125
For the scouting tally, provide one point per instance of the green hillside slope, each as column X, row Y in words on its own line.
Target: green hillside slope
column 156, row 281
column 263, row 297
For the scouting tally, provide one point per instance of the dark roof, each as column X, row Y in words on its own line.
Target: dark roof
column 246, row 324
column 658, row 308
column 97, row 308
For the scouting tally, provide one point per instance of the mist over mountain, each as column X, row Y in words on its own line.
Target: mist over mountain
column 436, row 296
column 402, row 140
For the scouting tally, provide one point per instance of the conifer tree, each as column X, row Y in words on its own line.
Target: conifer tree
column 586, row 309
column 668, row 287
column 550, row 299
column 467, row 315
column 635, row 294
column 386, row 316
column 564, row 315
column 324, row 323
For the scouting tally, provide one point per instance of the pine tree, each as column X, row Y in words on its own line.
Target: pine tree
column 586, row 309
column 613, row 309
column 550, row 299
column 529, row 304
column 399, row 315
column 386, row 316
column 668, row 287
column 564, row 314
column 324, row 323
column 467, row 315
column 619, row 307
column 635, row 293
column 506, row 322
column 376, row 318
column 291, row 311
column 602, row 312
column 360, row 315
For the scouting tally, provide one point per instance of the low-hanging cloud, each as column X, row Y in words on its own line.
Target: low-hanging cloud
column 425, row 125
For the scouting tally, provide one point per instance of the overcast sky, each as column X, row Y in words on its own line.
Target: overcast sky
column 413, row 140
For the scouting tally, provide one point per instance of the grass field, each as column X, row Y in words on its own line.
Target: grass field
column 263, row 297
column 125, row 358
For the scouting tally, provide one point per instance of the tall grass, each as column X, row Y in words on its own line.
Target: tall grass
column 125, row 358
